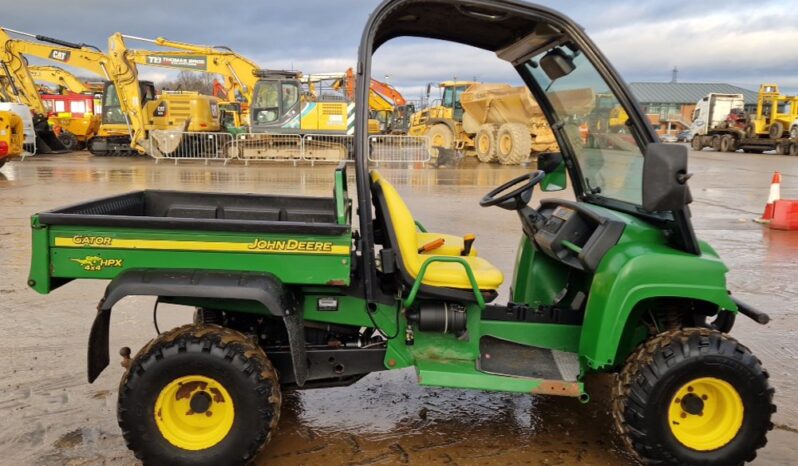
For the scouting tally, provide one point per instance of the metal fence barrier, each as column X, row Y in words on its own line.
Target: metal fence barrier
column 399, row 149
column 328, row 147
column 180, row 145
column 268, row 147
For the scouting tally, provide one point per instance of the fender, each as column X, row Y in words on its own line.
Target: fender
column 263, row 288
column 630, row 274
column 445, row 121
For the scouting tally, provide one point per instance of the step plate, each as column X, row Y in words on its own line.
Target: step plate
column 501, row 357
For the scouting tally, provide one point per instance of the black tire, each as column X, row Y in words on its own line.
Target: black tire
column 727, row 144
column 69, row 140
column 793, row 150
column 661, row 368
column 716, row 143
column 776, row 130
column 696, row 143
column 794, row 132
column 513, row 144
column 485, row 143
column 781, row 148
column 3, row 161
column 222, row 355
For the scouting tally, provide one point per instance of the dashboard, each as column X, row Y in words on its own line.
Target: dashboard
column 575, row 235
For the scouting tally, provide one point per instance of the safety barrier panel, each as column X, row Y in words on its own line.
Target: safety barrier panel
column 399, row 149
column 328, row 147
column 180, row 145
column 269, row 147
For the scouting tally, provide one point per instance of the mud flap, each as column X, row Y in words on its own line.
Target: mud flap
column 295, row 326
column 98, row 357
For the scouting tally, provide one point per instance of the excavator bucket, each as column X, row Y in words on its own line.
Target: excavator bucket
column 47, row 141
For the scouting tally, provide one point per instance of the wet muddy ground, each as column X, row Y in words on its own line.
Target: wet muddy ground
column 50, row 415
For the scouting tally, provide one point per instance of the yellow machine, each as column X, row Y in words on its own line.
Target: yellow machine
column 66, row 81
column 776, row 114
column 443, row 121
column 130, row 107
column 238, row 71
column 495, row 122
column 12, row 136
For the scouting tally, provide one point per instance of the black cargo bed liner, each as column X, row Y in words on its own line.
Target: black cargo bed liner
column 204, row 211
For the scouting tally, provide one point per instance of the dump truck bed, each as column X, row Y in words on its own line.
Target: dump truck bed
column 194, row 230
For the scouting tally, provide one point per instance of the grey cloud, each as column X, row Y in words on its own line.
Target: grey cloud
column 314, row 35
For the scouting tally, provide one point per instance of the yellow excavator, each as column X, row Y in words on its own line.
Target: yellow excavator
column 63, row 80
column 20, row 88
column 12, row 136
column 130, row 107
column 239, row 73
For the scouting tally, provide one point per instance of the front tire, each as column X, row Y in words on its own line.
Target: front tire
column 199, row 395
column 693, row 396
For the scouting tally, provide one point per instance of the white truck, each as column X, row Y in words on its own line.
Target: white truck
column 719, row 122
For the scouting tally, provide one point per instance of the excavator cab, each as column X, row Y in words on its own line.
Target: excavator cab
column 112, row 110
column 276, row 102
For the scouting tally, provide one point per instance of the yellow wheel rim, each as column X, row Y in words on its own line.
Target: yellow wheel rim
column 506, row 144
column 194, row 412
column 484, row 143
column 706, row 414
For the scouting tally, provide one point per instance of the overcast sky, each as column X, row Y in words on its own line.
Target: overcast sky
column 739, row 42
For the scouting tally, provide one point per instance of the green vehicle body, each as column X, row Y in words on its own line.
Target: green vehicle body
column 640, row 267
column 641, row 272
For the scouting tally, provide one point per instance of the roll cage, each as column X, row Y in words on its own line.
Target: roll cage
column 515, row 31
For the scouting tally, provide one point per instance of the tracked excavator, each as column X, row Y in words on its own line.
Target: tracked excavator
column 20, row 88
column 238, row 72
column 131, row 109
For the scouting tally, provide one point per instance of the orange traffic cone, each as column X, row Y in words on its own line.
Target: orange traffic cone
column 775, row 195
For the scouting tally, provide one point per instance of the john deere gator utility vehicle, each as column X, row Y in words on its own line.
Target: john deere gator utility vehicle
column 302, row 292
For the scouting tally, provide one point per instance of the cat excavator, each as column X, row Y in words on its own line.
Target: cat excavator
column 19, row 88
column 130, row 107
column 239, row 73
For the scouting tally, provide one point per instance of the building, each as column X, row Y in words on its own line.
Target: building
column 670, row 106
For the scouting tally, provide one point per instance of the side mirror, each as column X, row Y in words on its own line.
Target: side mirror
column 557, row 64
column 556, row 177
column 665, row 178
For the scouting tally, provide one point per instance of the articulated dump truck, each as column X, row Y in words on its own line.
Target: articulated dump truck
column 506, row 123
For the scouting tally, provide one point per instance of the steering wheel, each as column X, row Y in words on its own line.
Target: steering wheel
column 518, row 197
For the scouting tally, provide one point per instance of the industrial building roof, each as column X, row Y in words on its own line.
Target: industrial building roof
column 685, row 93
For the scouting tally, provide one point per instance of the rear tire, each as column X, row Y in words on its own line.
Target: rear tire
column 776, row 130
column 199, row 395
column 716, row 143
column 781, row 148
column 514, row 144
column 485, row 143
column 727, row 144
column 693, row 396
column 793, row 151
column 696, row 143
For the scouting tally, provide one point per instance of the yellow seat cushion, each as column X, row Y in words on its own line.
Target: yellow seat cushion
column 440, row 274
column 452, row 246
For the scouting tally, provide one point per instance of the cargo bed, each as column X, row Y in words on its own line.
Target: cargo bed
column 196, row 231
